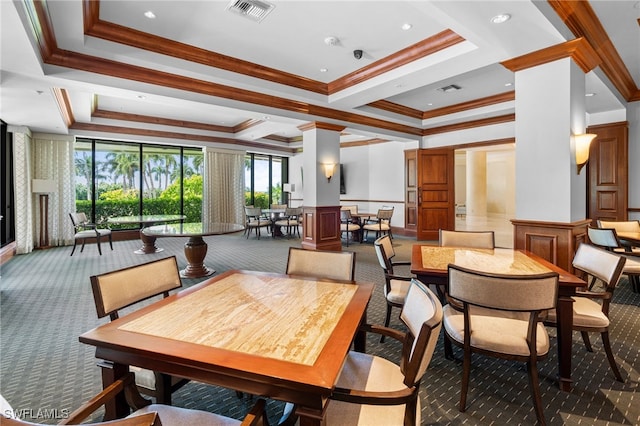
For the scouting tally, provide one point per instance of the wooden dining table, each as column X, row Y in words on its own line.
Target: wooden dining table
column 631, row 238
column 272, row 335
column 145, row 220
column 430, row 264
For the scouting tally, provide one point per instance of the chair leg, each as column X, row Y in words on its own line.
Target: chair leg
column 387, row 320
column 74, row 247
column 163, row 388
column 82, row 248
column 612, row 360
column 587, row 342
column 466, row 372
column 110, row 242
column 535, row 392
column 98, row 244
column 448, row 348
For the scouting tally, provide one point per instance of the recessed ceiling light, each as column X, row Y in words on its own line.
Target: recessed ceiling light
column 589, row 94
column 508, row 84
column 331, row 41
column 149, row 14
column 406, row 26
column 323, row 70
column 499, row 19
column 429, row 104
column 141, row 96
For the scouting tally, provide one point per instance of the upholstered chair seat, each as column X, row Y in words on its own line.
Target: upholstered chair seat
column 371, row 374
column 498, row 331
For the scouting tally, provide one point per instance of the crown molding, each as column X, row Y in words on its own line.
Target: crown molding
column 579, row 50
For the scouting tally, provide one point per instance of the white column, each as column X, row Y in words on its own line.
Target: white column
column 321, row 145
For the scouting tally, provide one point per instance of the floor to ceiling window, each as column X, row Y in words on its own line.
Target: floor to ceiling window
column 123, row 179
column 264, row 176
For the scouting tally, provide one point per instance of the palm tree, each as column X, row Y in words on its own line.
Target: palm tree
column 123, row 165
column 84, row 167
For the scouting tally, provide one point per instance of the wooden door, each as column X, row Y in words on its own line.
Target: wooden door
column 607, row 175
column 436, row 192
column 410, row 191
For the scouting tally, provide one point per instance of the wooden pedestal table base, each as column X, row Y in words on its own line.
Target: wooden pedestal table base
column 195, row 249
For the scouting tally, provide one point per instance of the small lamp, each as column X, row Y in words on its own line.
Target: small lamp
column 582, row 145
column 328, row 170
column 43, row 187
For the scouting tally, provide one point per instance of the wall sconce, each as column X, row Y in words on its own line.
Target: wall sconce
column 328, row 170
column 582, row 144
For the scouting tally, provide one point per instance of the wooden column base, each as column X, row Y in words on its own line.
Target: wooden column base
column 555, row 242
column 321, row 228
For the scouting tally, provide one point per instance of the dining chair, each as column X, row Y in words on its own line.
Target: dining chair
column 467, row 239
column 85, row 230
column 254, row 219
column 395, row 286
column 380, row 224
column 499, row 316
column 119, row 289
column 291, row 221
column 348, row 225
column 607, row 238
column 144, row 413
column 591, row 307
column 333, row 265
column 623, row 226
column 374, row 390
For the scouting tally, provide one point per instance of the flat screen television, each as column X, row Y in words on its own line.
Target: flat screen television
column 343, row 190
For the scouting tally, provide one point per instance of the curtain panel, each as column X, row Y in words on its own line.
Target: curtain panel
column 23, row 202
column 53, row 159
column 223, row 197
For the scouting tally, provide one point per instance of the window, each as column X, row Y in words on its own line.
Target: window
column 122, row 179
column 264, row 176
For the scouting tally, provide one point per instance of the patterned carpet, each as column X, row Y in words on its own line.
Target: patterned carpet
column 46, row 302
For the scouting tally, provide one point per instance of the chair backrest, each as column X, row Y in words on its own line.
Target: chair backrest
column 252, row 212
column 531, row 293
column 601, row 264
column 620, row 225
column 353, row 209
column 345, row 215
column 422, row 314
column 385, row 214
column 293, row 212
column 385, row 252
column 603, row 237
column 118, row 289
column 78, row 218
column 279, row 206
column 467, row 239
column 334, row 265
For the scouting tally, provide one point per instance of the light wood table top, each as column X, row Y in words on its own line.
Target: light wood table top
column 633, row 238
column 266, row 334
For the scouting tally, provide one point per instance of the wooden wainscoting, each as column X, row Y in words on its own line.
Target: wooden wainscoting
column 321, row 228
column 555, row 242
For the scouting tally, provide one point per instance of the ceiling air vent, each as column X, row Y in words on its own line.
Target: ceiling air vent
column 253, row 9
column 450, row 88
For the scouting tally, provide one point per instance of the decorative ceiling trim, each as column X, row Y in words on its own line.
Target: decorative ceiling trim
column 53, row 55
column 95, row 27
column 313, row 125
column 367, row 142
column 123, row 116
column 580, row 18
column 62, row 99
column 396, row 108
column 579, row 50
column 482, row 144
column 426, row 47
column 101, row 128
column 469, row 124
column 473, row 104
column 247, row 124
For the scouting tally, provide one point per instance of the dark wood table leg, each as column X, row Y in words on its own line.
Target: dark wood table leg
column 564, row 313
column 195, row 250
column 116, row 408
column 148, row 244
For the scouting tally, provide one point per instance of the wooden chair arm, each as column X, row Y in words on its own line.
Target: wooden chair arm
column 126, row 384
column 385, row 331
column 455, row 303
column 373, row 398
column 401, row 263
column 399, row 277
column 593, row 295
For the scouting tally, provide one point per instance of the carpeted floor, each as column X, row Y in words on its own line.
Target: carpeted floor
column 46, row 303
